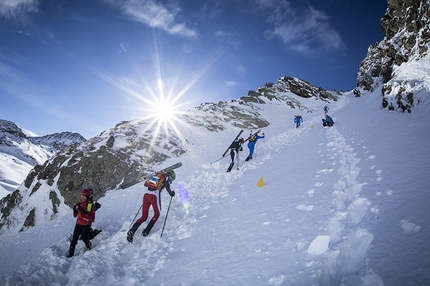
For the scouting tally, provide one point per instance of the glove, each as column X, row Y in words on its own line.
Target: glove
column 97, row 205
column 172, row 193
column 241, row 148
column 75, row 208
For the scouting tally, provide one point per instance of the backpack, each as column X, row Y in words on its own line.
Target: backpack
column 155, row 182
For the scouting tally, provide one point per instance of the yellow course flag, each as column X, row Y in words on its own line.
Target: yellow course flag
column 260, row 182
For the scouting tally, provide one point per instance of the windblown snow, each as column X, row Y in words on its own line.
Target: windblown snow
column 345, row 205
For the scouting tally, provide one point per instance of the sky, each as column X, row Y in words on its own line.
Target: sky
column 84, row 66
column 341, row 205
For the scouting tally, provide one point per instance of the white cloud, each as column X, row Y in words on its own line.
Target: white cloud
column 155, row 15
column 17, row 10
column 221, row 34
column 230, row 83
column 308, row 32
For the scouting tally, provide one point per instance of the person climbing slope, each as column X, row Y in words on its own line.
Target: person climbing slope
column 251, row 144
column 85, row 212
column 152, row 197
column 235, row 147
column 298, row 119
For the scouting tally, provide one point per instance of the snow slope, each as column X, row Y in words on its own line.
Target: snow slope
column 340, row 206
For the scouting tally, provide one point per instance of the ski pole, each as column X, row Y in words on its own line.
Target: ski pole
column 218, row 159
column 166, row 217
column 135, row 216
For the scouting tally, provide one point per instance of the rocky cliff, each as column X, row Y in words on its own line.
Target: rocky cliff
column 407, row 33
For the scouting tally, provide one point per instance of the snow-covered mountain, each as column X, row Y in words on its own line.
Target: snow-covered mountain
column 345, row 205
column 19, row 153
column 127, row 153
column 340, row 206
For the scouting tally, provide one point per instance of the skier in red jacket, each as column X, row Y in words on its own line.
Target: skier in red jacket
column 152, row 197
column 85, row 213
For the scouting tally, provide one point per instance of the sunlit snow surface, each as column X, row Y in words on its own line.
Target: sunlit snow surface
column 346, row 205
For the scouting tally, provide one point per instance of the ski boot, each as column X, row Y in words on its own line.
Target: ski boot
column 148, row 228
column 131, row 232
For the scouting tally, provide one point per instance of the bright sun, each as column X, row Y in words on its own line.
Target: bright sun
column 163, row 112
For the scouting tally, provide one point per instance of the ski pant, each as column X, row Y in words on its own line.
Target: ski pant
column 234, row 152
column 251, row 146
column 83, row 231
column 149, row 200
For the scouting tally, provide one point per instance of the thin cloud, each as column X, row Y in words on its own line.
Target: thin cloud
column 230, row 83
column 17, row 10
column 309, row 32
column 154, row 15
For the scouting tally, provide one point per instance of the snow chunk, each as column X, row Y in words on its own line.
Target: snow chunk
column 319, row 245
column 409, row 228
column 303, row 207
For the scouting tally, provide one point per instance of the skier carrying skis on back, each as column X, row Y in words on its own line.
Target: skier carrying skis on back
column 152, row 197
column 235, row 147
column 251, row 144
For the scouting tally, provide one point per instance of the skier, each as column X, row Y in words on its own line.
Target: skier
column 297, row 120
column 152, row 197
column 84, row 210
column 326, row 109
column 328, row 121
column 251, row 144
column 235, row 147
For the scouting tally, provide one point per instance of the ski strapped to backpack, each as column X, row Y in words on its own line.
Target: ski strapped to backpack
column 237, row 137
column 252, row 135
column 155, row 182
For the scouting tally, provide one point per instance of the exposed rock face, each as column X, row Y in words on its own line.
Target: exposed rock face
column 58, row 141
column 407, row 34
column 277, row 91
column 11, row 129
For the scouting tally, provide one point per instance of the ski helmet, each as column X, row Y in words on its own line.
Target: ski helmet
column 171, row 174
column 86, row 192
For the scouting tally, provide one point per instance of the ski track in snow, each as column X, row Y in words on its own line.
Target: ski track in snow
column 335, row 255
column 350, row 208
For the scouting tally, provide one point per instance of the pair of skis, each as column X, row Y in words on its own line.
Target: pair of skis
column 230, row 167
column 229, row 147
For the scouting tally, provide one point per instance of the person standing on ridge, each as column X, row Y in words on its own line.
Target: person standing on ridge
column 85, row 212
column 251, row 144
column 152, row 197
column 297, row 120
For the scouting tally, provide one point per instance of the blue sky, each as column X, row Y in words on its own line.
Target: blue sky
column 84, row 66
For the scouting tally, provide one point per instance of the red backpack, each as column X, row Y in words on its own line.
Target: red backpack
column 156, row 181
